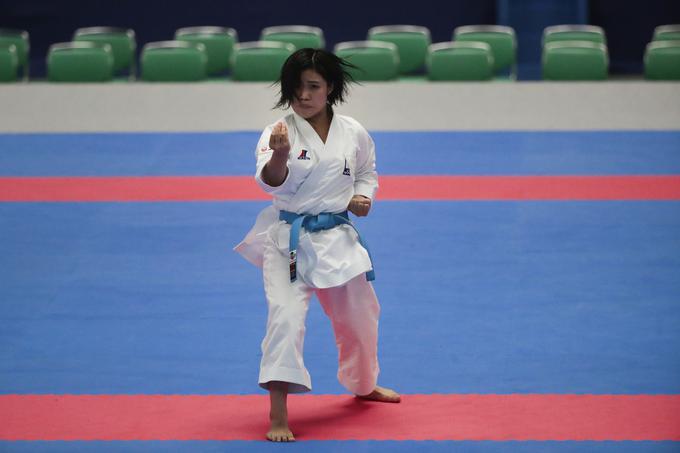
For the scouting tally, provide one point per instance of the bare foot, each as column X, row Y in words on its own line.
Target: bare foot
column 280, row 433
column 278, row 413
column 383, row 395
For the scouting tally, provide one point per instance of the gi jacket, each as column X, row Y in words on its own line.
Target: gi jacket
column 322, row 177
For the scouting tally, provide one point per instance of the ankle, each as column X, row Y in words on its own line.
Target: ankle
column 278, row 420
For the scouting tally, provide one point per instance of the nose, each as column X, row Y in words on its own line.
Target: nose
column 303, row 94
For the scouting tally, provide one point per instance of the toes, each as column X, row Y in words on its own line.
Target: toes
column 384, row 395
column 281, row 437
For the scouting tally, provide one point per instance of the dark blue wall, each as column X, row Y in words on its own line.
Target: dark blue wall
column 628, row 24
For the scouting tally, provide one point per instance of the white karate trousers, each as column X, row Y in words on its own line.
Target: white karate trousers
column 353, row 310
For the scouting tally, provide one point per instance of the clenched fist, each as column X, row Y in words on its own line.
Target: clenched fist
column 359, row 205
column 275, row 171
column 278, row 140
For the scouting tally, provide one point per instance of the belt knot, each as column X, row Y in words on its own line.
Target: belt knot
column 312, row 223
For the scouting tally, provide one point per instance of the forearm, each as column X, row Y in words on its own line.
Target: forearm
column 275, row 171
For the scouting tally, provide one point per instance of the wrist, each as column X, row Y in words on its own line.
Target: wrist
column 280, row 154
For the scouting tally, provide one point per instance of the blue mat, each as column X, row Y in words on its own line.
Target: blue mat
column 490, row 298
column 473, row 153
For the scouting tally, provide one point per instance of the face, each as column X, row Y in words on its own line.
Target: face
column 312, row 94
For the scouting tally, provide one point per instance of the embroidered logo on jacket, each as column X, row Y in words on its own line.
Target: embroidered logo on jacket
column 346, row 170
column 303, row 155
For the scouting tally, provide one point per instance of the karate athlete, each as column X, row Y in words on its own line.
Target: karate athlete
column 317, row 165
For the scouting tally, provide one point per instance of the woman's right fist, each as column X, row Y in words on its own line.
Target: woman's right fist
column 278, row 140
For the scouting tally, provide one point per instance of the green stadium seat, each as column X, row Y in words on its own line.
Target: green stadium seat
column 260, row 61
column 301, row 36
column 590, row 33
column 462, row 60
column 412, row 43
column 662, row 60
column 219, row 44
column 9, row 63
column 122, row 42
column 502, row 41
column 79, row 62
column 173, row 61
column 20, row 39
column 374, row 60
column 669, row 32
column 575, row 60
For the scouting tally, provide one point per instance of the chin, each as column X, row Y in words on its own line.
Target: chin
column 306, row 113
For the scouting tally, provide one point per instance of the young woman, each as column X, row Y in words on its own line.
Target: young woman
column 317, row 165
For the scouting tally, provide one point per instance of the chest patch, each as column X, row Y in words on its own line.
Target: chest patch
column 304, row 155
column 346, row 170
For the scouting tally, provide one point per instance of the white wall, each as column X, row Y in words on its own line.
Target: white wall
column 215, row 106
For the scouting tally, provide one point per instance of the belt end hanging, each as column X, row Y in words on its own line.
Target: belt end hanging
column 293, row 266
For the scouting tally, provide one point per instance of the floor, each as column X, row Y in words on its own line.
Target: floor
column 529, row 320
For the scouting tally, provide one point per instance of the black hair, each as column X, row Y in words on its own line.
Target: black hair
column 332, row 68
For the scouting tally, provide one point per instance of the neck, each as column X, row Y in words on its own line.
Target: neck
column 321, row 122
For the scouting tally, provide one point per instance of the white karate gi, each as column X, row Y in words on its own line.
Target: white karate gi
column 330, row 263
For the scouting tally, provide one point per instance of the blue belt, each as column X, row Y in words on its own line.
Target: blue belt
column 312, row 223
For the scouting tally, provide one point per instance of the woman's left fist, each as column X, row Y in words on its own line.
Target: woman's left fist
column 359, row 205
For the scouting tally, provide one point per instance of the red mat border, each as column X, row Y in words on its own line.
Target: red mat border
column 405, row 188
column 522, row 417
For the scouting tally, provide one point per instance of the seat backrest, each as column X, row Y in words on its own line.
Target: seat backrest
column 9, row 63
column 501, row 39
column 575, row 60
column 460, row 60
column 576, row 32
column 260, row 61
column 301, row 36
column 218, row 41
column 122, row 41
column 21, row 39
column 412, row 42
column 173, row 61
column 669, row 32
column 80, row 62
column 373, row 60
column 662, row 60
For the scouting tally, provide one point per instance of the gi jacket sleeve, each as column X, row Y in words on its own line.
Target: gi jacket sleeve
column 366, row 179
column 263, row 153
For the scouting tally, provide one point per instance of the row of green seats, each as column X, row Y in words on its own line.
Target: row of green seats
column 102, row 53
column 579, row 52
column 477, row 52
column 200, row 52
column 14, row 51
column 574, row 52
column 214, row 50
column 662, row 54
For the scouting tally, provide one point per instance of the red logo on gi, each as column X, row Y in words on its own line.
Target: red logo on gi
column 303, row 155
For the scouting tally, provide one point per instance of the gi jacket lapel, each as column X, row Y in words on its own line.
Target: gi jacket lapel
column 314, row 191
column 310, row 134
